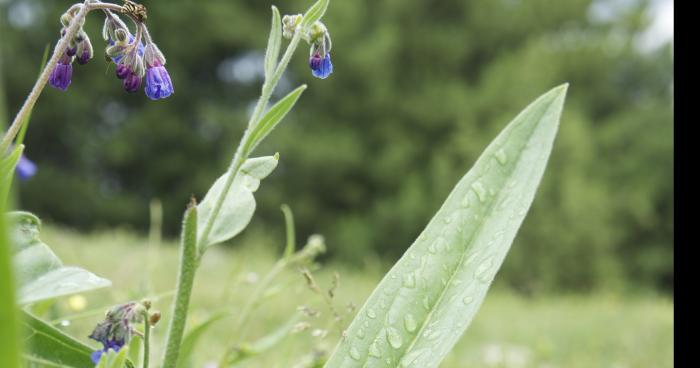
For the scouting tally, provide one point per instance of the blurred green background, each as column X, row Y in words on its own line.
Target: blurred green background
column 368, row 155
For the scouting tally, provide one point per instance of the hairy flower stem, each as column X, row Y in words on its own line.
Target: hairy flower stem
column 29, row 103
column 190, row 261
column 146, row 338
column 185, row 280
column 26, row 109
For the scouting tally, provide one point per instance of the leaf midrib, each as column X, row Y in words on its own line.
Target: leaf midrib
column 454, row 272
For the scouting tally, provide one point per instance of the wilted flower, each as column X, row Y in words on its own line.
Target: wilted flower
column 116, row 330
column 83, row 49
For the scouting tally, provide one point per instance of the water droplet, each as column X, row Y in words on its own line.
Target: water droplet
column 360, row 334
column 409, row 280
column 426, row 302
column 479, row 190
column 501, row 157
column 354, row 353
column 371, row 314
column 448, row 219
column 65, row 323
column 432, row 334
column 465, row 201
column 437, row 246
column 482, row 271
column 468, row 299
column 375, row 351
column 394, row 338
column 410, row 323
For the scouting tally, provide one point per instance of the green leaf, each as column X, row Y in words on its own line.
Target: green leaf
column 7, row 172
column 273, row 117
column 40, row 273
column 189, row 342
column 314, row 13
column 273, row 44
column 46, row 343
column 9, row 314
column 426, row 301
column 113, row 359
column 239, row 204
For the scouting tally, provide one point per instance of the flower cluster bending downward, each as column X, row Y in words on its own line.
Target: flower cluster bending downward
column 134, row 56
column 318, row 38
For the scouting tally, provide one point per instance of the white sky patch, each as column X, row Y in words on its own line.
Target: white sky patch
column 661, row 29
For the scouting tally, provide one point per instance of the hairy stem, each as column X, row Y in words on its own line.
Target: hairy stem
column 146, row 338
column 185, row 280
column 61, row 46
column 29, row 103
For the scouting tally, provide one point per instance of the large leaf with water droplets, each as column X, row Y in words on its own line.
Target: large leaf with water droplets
column 426, row 301
column 47, row 346
column 238, row 206
column 40, row 273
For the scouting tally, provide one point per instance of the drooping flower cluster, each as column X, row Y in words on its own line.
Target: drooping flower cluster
column 320, row 40
column 135, row 56
column 116, row 330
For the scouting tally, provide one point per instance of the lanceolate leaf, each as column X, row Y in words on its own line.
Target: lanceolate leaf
column 40, row 273
column 273, row 117
column 424, row 304
column 189, row 342
column 239, row 205
column 314, row 13
column 46, row 343
column 273, row 44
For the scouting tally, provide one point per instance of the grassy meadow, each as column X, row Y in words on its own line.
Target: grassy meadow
column 598, row 330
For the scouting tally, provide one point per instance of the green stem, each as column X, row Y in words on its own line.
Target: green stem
column 146, row 338
column 185, row 280
column 244, row 148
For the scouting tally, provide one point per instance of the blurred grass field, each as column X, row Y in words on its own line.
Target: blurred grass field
column 599, row 330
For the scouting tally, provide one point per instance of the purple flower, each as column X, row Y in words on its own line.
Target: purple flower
column 97, row 354
column 123, row 71
column 321, row 67
column 61, row 76
column 132, row 82
column 25, row 169
column 158, row 83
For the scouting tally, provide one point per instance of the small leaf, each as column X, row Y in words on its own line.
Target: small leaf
column 189, row 342
column 239, row 205
column 46, row 343
column 40, row 273
column 426, row 301
column 314, row 13
column 273, row 44
column 273, row 117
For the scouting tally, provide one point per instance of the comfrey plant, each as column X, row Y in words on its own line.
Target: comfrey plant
column 412, row 319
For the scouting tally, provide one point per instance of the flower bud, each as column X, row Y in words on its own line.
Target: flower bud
column 154, row 318
column 152, row 55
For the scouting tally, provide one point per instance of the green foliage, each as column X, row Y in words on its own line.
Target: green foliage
column 424, row 304
column 273, row 44
column 47, row 344
column 40, row 273
column 273, row 117
column 419, row 88
column 239, row 204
